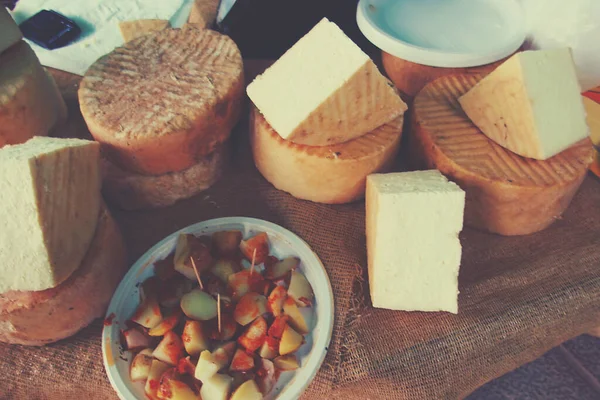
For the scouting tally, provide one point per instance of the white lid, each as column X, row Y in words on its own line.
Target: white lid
column 444, row 33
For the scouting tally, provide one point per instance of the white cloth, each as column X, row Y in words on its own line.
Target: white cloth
column 99, row 21
column 567, row 23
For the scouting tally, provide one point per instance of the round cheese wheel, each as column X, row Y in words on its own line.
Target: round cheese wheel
column 30, row 103
column 163, row 101
column 38, row 318
column 132, row 191
column 505, row 193
column 324, row 174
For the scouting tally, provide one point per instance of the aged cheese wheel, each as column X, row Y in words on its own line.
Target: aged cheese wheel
column 132, row 191
column 506, row 193
column 38, row 318
column 30, row 103
column 163, row 101
column 325, row 174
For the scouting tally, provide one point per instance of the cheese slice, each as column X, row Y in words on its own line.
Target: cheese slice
column 30, row 103
column 10, row 34
column 413, row 220
column 326, row 174
column 49, row 201
column 134, row 29
column 163, row 101
column 204, row 13
column 506, row 193
column 531, row 104
column 324, row 90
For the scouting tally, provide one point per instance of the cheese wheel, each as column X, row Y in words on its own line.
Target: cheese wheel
column 30, row 103
column 506, row 193
column 132, row 191
column 323, row 174
column 163, row 101
column 10, row 34
column 38, row 318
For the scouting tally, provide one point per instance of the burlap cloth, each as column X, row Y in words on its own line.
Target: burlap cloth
column 520, row 297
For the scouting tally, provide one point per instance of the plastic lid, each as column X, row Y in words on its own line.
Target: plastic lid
column 444, row 33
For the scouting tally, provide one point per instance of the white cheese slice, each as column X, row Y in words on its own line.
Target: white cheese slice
column 324, row 90
column 413, row 220
column 10, row 33
column 49, row 202
column 531, row 104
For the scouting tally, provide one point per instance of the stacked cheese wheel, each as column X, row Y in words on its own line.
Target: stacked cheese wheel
column 30, row 103
column 520, row 154
column 324, row 118
column 61, row 253
column 163, row 107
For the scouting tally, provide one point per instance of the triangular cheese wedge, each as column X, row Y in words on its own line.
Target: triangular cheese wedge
column 531, row 104
column 325, row 90
column 134, row 29
column 592, row 110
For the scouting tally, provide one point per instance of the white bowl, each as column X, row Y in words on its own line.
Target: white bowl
column 283, row 243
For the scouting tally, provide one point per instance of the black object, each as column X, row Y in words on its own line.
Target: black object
column 267, row 28
column 50, row 29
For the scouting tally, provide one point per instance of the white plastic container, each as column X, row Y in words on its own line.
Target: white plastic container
column 444, row 33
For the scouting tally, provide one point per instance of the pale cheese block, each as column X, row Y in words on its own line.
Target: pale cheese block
column 531, row 104
column 49, row 202
column 42, row 317
column 165, row 100
column 134, row 29
column 30, row 102
column 204, row 13
column 506, row 193
column 413, row 220
column 325, row 90
column 325, row 174
column 10, row 34
column 131, row 191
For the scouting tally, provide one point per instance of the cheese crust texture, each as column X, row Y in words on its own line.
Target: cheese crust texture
column 413, row 220
column 49, row 202
column 10, row 34
column 30, row 103
column 39, row 318
column 163, row 101
column 531, row 104
column 324, row 174
column 132, row 191
column 506, row 193
column 325, row 90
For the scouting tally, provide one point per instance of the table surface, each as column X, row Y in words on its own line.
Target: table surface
column 569, row 371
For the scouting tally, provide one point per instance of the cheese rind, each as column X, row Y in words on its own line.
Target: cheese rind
column 30, row 102
column 10, row 34
column 413, row 220
column 506, row 193
column 42, row 317
column 327, row 174
column 163, row 101
column 531, row 104
column 324, row 90
column 49, row 201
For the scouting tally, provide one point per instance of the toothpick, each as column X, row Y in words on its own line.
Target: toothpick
column 197, row 274
column 219, row 311
column 253, row 260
